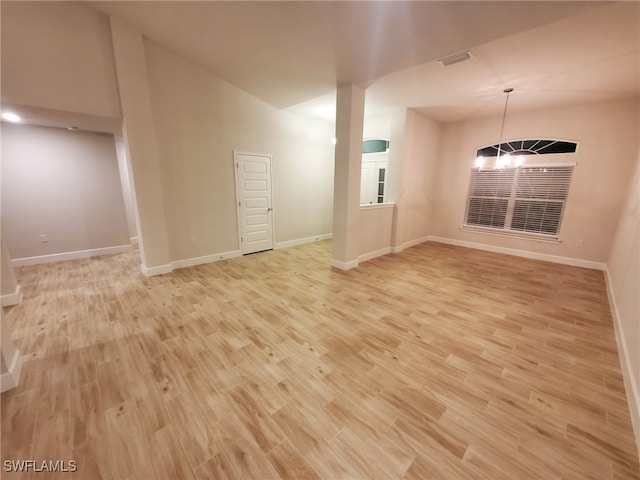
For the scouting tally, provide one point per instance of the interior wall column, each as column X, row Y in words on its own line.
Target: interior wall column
column 348, row 167
column 401, row 131
column 127, row 188
column 140, row 141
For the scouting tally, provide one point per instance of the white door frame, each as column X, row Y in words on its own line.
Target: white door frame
column 238, row 199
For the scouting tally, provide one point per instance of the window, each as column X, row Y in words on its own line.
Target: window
column 375, row 145
column 529, row 147
column 375, row 153
column 526, row 200
column 381, row 173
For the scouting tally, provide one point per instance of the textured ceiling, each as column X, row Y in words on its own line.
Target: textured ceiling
column 587, row 58
column 288, row 53
column 293, row 54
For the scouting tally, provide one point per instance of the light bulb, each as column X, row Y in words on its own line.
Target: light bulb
column 502, row 162
column 11, row 117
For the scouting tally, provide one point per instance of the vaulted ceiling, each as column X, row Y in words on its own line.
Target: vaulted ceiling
column 293, row 54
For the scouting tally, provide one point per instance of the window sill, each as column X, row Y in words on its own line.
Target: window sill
column 373, row 206
column 506, row 233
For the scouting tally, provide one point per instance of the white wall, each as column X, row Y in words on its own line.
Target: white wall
column 397, row 138
column 58, row 55
column 378, row 126
column 417, row 187
column 63, row 184
column 375, row 224
column 125, row 180
column 607, row 136
column 199, row 121
column 624, row 287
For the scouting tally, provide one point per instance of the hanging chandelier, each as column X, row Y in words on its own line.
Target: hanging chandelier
column 503, row 160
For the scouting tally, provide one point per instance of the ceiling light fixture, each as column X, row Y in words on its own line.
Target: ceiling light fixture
column 11, row 117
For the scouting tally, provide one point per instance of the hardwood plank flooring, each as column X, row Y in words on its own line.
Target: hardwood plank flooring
column 439, row 362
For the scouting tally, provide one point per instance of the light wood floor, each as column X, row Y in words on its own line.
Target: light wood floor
column 439, row 362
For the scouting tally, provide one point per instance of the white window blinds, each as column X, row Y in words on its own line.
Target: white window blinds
column 522, row 200
column 489, row 197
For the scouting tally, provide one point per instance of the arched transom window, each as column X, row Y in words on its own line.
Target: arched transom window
column 528, row 147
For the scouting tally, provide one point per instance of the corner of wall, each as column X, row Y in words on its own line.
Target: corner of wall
column 631, row 387
column 158, row 270
column 11, row 360
column 11, row 378
column 12, row 299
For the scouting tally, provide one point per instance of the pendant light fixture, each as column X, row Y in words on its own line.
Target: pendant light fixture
column 502, row 161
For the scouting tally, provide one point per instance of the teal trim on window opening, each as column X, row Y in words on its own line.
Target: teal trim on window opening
column 375, row 145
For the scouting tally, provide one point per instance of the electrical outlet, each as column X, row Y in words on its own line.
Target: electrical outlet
column 44, row 239
column 579, row 243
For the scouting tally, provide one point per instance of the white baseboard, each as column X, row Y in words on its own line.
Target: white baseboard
column 134, row 240
column 58, row 257
column 302, row 241
column 216, row 257
column 189, row 262
column 575, row 262
column 631, row 387
column 344, row 265
column 409, row 244
column 159, row 270
column 12, row 298
column 376, row 253
column 11, row 378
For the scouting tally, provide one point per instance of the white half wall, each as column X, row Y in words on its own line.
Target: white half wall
column 375, row 224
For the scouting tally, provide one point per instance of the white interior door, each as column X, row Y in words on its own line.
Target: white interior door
column 255, row 214
column 367, row 183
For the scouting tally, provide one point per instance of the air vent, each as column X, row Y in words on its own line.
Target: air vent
column 456, row 58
